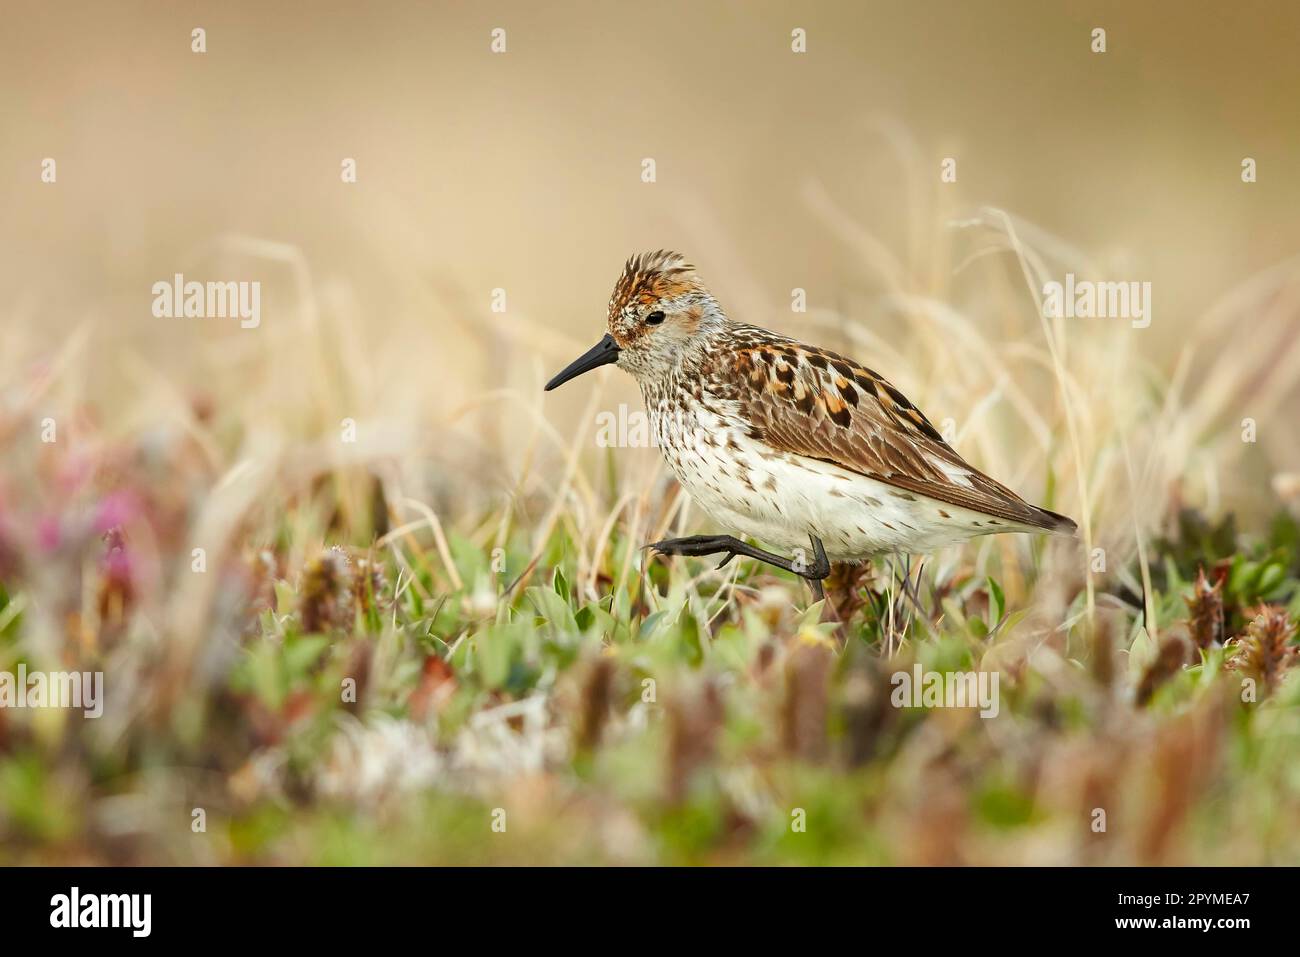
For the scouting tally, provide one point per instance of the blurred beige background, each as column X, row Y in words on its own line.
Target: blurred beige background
column 522, row 171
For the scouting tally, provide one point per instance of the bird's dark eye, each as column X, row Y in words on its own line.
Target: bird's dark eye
column 654, row 318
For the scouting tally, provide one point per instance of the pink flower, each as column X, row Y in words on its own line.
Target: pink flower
column 116, row 509
column 49, row 535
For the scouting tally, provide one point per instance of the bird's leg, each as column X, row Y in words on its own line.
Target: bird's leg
column 713, row 544
column 821, row 569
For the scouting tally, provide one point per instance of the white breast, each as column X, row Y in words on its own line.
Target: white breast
column 780, row 499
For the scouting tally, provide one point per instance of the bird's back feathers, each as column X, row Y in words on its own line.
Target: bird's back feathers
column 816, row 403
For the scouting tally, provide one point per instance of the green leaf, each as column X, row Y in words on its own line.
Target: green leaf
column 689, row 636
column 301, row 653
column 997, row 602
column 554, row 609
column 493, row 649
column 650, row 623
column 1270, row 579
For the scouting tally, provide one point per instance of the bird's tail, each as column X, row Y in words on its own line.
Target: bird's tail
column 1054, row 523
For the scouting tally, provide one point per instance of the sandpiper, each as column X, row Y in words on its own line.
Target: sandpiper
column 788, row 443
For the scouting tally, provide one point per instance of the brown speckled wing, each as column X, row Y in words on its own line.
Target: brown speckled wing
column 819, row 404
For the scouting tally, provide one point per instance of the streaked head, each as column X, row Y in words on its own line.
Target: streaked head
column 659, row 312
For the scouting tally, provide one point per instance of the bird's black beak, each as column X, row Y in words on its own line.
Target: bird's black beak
column 602, row 353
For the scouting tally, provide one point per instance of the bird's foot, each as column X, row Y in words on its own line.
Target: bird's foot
column 696, row 545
